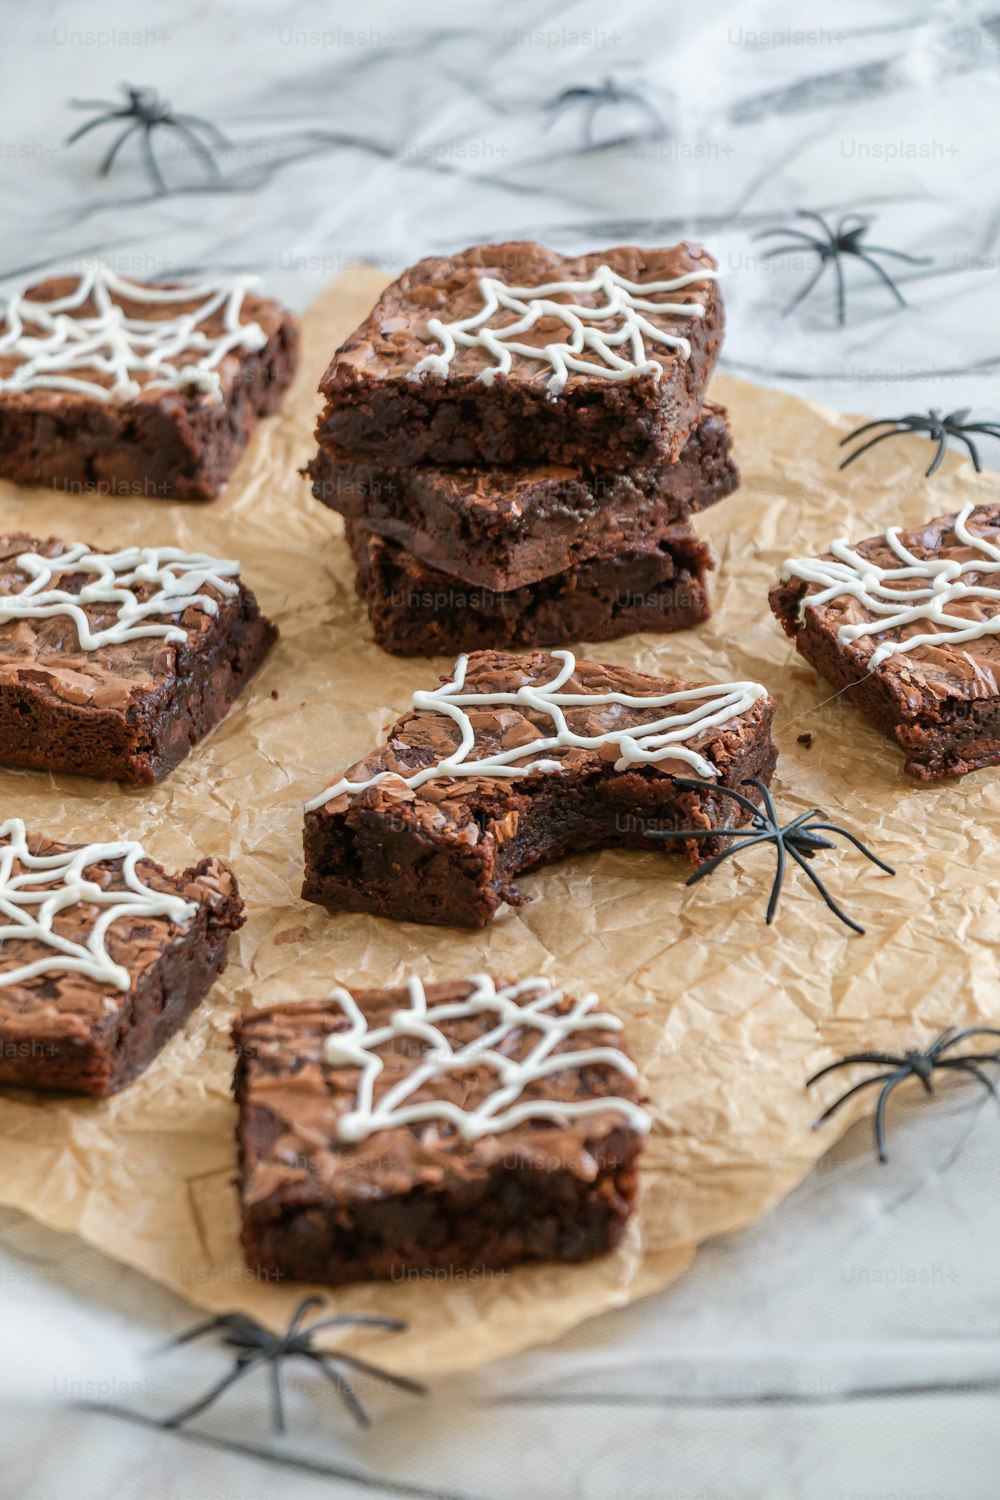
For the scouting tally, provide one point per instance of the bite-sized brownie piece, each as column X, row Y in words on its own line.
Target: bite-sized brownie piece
column 417, row 611
column 520, row 760
column 129, row 388
column 505, row 528
column 116, row 663
column 463, row 1169
column 512, row 354
column 103, row 956
column 907, row 622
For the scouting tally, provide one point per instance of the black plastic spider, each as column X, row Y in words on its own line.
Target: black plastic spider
column 938, row 428
column 147, row 111
column 592, row 100
column 801, row 838
column 915, row 1064
column 845, row 239
column 259, row 1346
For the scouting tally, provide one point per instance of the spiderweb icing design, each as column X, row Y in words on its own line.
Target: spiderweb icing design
column 57, row 344
column 607, row 341
column 503, row 1107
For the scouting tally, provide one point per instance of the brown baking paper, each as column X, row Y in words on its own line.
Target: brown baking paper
column 726, row 1017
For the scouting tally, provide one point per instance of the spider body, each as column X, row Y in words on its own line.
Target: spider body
column 802, row 838
column 931, row 423
column 258, row 1346
column 912, row 1064
column 591, row 101
column 833, row 245
column 145, row 111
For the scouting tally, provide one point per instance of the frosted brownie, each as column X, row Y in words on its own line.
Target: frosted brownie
column 116, row 663
column 456, row 1172
column 103, row 956
column 908, row 623
column 520, row 760
column 513, row 354
column 130, row 388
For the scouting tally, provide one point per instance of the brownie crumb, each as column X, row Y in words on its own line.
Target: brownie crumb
column 805, row 739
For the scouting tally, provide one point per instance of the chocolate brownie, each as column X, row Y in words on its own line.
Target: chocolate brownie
column 908, row 624
column 521, row 760
column 512, row 1133
column 127, row 388
column 505, row 528
column 658, row 585
column 618, row 389
column 103, row 956
column 116, row 663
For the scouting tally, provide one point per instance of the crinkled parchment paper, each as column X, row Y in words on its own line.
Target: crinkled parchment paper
column 726, row 1016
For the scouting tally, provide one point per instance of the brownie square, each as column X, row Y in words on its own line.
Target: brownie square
column 452, row 1175
column 129, row 388
column 521, row 760
column 658, row 585
column 907, row 623
column 406, row 388
column 91, row 991
column 503, row 529
column 115, row 664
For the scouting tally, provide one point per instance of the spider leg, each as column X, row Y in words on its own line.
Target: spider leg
column 808, row 213
column 895, row 432
column 853, row 839
column 306, row 1305
column 108, row 161
column 881, row 272
column 868, row 427
column 355, row 1362
column 977, row 462
column 152, row 164
column 186, row 1413
column 198, row 147
column 689, row 784
column 690, row 833
column 277, row 1400
column 779, row 879
column 806, row 289
column 866, row 1083
column 990, row 429
column 841, row 291
column 343, row 1387
column 395, row 1325
column 913, row 260
column 717, row 859
column 195, row 122
column 970, row 1065
column 880, row 1109
column 951, row 1038
column 90, row 125
column 211, row 1325
column 938, row 458
column 855, row 1057
column 838, row 911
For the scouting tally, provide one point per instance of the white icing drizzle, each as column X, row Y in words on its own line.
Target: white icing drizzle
column 874, row 589
column 624, row 304
column 504, row 1107
column 30, row 903
column 177, row 577
column 642, row 744
column 52, row 341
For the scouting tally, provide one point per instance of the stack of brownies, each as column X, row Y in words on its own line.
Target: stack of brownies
column 517, row 440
